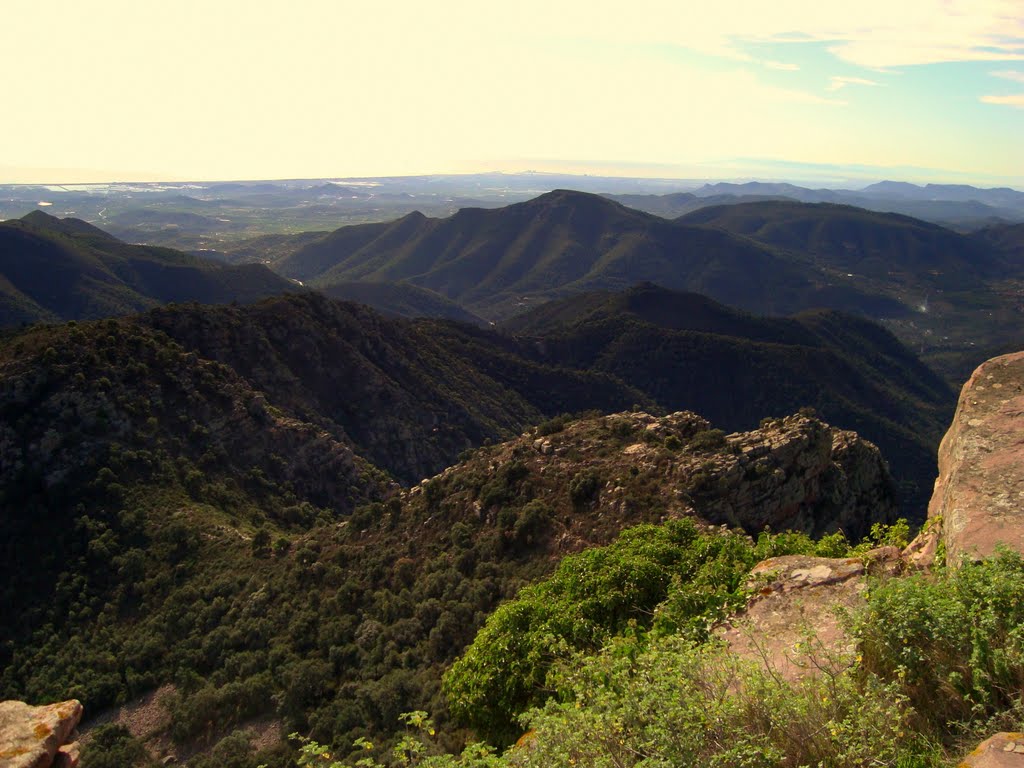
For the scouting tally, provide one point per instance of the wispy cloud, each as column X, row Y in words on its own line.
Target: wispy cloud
column 1009, row 74
column 875, row 34
column 838, row 83
column 784, row 66
column 1012, row 100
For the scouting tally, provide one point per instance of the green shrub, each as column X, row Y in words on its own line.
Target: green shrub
column 882, row 535
column 584, row 487
column 531, row 522
column 954, row 642
column 113, row 746
column 675, row 704
column 260, row 543
column 707, row 440
column 233, row 751
column 553, row 425
column 670, row 578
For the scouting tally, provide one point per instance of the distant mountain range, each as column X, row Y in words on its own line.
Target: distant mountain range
column 498, row 262
column 953, row 205
column 206, row 216
column 956, row 298
column 889, row 250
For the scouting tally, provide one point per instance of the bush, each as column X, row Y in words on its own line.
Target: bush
column 707, row 440
column 112, row 746
column 677, row 704
column 233, row 751
column 669, row 578
column 583, row 487
column 553, row 425
column 531, row 522
column 954, row 642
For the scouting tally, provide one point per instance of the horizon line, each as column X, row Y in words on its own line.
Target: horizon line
column 795, row 180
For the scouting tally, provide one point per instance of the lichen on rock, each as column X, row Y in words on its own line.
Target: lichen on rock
column 39, row 737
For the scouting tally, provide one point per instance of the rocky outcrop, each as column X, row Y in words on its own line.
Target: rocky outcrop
column 792, row 624
column 979, row 494
column 39, row 737
column 794, row 473
column 798, row 473
column 1004, row 750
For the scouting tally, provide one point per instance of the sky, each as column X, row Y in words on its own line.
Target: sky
column 822, row 90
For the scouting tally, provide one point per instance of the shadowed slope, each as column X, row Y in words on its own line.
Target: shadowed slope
column 67, row 269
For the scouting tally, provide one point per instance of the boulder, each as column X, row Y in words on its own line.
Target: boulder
column 1004, row 750
column 979, row 494
column 792, row 624
column 32, row 737
column 68, row 756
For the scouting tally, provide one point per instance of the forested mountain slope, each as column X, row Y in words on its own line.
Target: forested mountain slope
column 65, row 269
column 495, row 262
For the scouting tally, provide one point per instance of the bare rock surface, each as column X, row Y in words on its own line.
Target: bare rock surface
column 32, row 737
column 979, row 493
column 792, row 625
column 798, row 473
column 1004, row 750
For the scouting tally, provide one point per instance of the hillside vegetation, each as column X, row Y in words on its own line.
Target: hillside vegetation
column 563, row 242
column 953, row 297
column 444, row 542
column 261, row 583
column 201, row 497
column 686, row 351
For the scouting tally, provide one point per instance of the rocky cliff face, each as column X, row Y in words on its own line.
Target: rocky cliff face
column 39, row 737
column 978, row 503
column 798, row 473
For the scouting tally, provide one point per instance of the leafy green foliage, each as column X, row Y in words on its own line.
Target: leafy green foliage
column 668, row 702
column 953, row 642
column 708, row 440
column 112, row 746
column 416, row 748
column 583, row 487
column 672, row 578
column 676, row 704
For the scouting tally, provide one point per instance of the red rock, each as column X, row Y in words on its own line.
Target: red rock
column 792, row 624
column 30, row 737
column 979, row 493
column 1004, row 750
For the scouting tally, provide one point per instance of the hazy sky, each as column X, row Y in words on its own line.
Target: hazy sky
column 928, row 90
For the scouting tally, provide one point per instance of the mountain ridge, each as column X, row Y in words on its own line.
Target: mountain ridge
column 564, row 242
column 67, row 269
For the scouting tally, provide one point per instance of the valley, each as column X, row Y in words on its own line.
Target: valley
column 299, row 487
column 512, row 385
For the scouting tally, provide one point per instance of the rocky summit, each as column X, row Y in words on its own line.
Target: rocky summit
column 792, row 473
